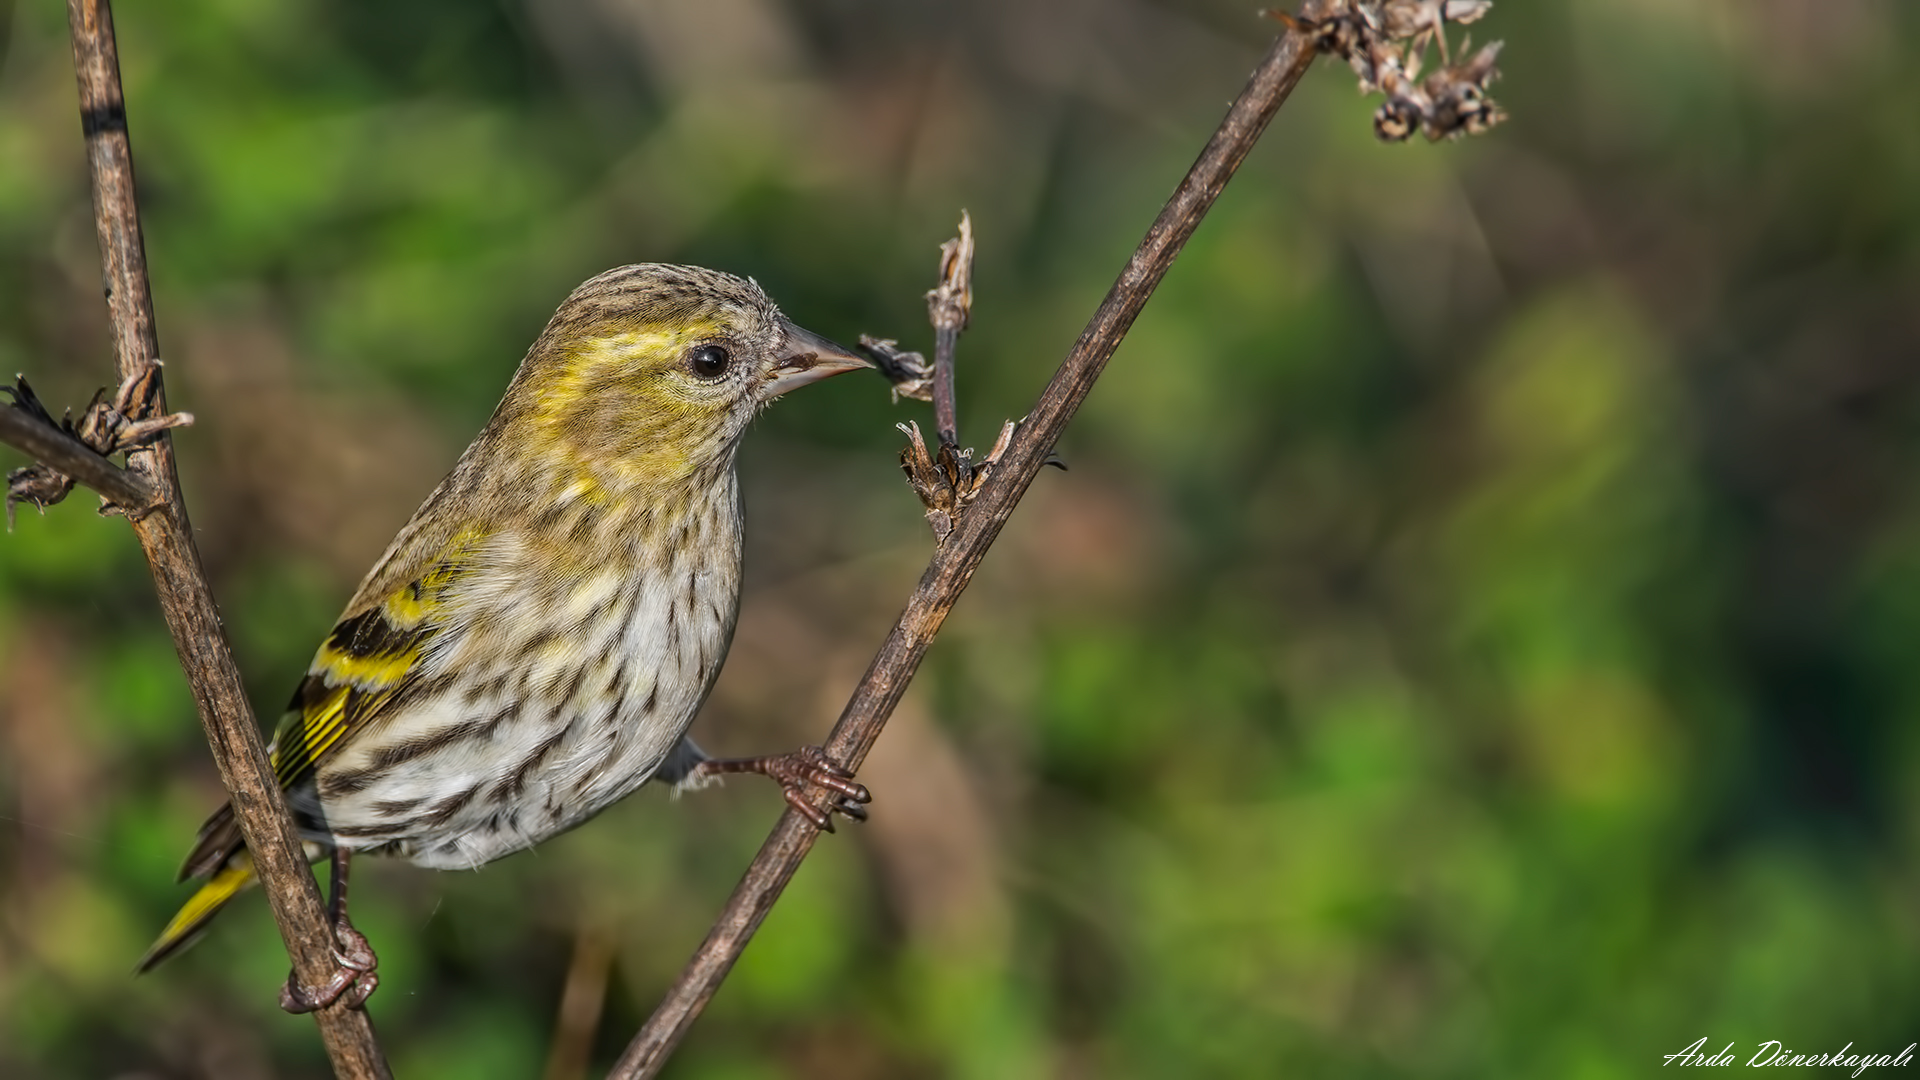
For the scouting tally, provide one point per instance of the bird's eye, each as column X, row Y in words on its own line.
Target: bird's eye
column 709, row 361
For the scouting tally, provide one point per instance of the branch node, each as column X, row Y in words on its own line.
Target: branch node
column 105, row 428
column 949, row 479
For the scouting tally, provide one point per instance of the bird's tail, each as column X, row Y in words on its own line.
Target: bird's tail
column 200, row 909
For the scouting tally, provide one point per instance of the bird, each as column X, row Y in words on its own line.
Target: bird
column 536, row 640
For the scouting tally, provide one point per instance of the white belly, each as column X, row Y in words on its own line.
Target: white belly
column 554, row 729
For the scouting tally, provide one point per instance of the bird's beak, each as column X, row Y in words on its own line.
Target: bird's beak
column 806, row 358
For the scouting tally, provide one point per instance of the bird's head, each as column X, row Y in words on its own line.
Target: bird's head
column 654, row 371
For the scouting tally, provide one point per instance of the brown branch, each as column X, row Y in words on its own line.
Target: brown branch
column 960, row 552
column 178, row 576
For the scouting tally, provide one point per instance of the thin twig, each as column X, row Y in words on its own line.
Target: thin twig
column 956, row 558
column 949, row 305
column 167, row 538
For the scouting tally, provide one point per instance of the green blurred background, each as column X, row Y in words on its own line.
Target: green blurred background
column 1476, row 636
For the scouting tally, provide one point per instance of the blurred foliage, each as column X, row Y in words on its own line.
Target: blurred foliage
column 1472, row 640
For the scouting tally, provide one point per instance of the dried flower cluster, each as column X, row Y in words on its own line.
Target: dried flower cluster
column 949, row 479
column 1385, row 42
column 104, row 427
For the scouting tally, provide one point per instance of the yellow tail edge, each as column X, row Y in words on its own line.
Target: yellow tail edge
column 199, row 910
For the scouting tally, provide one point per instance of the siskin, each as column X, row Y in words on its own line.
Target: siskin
column 534, row 644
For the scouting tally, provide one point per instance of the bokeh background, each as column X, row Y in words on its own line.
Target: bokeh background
column 1477, row 636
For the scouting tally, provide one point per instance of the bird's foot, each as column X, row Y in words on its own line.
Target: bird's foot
column 354, row 978
column 798, row 773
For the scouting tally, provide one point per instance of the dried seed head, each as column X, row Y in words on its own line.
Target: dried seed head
column 1395, row 120
column 1385, row 43
column 1459, row 104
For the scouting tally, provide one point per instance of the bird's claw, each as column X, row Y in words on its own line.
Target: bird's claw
column 810, row 767
column 798, row 773
column 354, row 978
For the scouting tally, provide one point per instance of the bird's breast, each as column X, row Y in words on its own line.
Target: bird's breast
column 553, row 692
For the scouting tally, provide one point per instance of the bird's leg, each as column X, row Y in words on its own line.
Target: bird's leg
column 355, row 975
column 797, row 772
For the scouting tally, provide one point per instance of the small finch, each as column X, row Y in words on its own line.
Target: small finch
column 535, row 642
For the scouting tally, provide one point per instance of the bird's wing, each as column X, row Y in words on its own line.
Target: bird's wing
column 371, row 657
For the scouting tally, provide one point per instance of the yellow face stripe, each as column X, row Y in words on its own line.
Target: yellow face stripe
column 618, row 392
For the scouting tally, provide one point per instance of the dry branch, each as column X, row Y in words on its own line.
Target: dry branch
column 961, row 550
column 167, row 539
